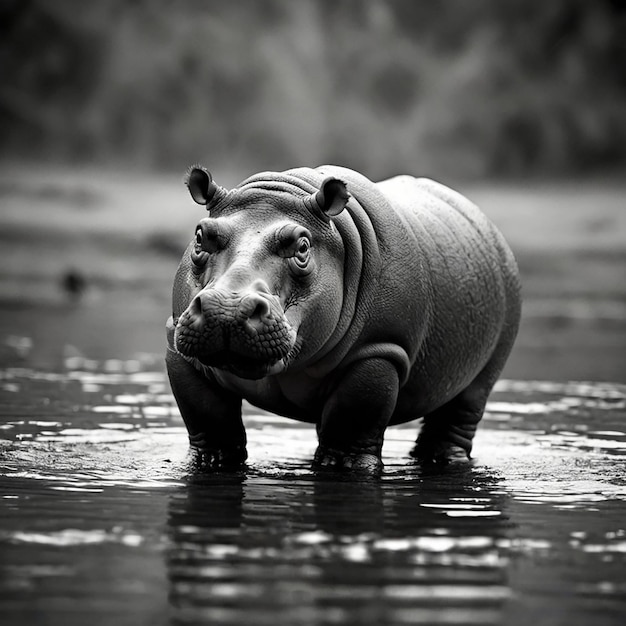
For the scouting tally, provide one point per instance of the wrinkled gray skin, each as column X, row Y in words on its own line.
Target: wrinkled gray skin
column 324, row 297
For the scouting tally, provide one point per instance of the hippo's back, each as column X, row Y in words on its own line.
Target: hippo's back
column 462, row 243
column 474, row 284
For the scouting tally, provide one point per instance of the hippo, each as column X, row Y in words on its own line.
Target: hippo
column 324, row 297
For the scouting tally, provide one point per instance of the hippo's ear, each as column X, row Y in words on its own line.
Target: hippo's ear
column 201, row 185
column 332, row 197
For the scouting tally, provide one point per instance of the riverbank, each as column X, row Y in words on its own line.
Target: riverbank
column 87, row 260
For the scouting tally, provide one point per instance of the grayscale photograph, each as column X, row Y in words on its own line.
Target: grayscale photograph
column 313, row 313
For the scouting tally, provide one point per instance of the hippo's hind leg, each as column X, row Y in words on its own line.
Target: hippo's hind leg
column 453, row 425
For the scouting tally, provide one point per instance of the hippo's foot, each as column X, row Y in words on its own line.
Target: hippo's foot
column 360, row 462
column 205, row 457
column 438, row 452
column 448, row 432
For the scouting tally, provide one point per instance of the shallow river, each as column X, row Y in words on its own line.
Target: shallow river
column 103, row 520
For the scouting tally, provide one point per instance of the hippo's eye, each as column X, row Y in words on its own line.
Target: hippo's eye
column 198, row 255
column 300, row 261
column 302, row 249
column 293, row 242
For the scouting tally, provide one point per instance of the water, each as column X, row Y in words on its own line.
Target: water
column 103, row 520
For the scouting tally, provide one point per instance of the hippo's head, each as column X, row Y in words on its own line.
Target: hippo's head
column 260, row 286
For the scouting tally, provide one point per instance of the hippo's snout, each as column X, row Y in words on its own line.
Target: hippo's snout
column 243, row 333
column 255, row 310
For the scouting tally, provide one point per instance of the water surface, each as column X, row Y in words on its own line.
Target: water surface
column 103, row 520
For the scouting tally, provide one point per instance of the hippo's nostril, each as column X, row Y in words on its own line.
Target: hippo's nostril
column 261, row 310
column 195, row 307
column 254, row 307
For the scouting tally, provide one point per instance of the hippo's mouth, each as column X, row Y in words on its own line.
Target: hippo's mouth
column 240, row 365
column 246, row 367
column 251, row 357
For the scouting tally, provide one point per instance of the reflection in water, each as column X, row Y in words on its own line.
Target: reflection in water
column 102, row 519
column 416, row 549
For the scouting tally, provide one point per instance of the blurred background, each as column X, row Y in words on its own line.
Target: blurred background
column 520, row 105
column 482, row 88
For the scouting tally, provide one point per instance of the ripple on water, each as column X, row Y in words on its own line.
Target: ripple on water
column 97, row 489
column 582, row 417
column 75, row 537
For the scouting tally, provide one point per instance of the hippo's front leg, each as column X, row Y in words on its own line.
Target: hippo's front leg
column 355, row 417
column 212, row 415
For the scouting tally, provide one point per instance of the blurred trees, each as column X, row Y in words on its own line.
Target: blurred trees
column 462, row 88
